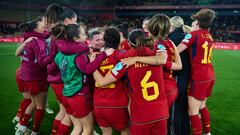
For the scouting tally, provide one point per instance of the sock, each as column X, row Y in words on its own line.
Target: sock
column 27, row 102
column 196, row 125
column 205, row 120
column 63, row 129
column 25, row 119
column 20, row 111
column 56, row 123
column 38, row 116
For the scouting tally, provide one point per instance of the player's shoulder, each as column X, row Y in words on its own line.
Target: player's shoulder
column 130, row 53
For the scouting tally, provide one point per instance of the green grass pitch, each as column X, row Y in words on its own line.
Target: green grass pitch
column 224, row 104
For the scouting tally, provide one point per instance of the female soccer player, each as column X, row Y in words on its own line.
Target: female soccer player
column 123, row 30
column 20, row 83
column 111, row 101
column 55, row 15
column 148, row 104
column 33, row 73
column 199, row 44
column 74, row 69
column 158, row 27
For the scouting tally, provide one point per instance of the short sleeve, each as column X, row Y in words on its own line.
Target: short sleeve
column 168, row 65
column 188, row 39
column 118, row 71
column 160, row 48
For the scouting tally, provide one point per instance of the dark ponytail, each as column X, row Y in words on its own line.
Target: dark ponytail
column 30, row 26
column 67, row 13
column 59, row 31
column 66, row 32
column 138, row 39
column 53, row 13
column 72, row 31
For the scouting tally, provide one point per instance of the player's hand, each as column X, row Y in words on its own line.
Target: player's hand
column 93, row 56
column 109, row 51
column 129, row 61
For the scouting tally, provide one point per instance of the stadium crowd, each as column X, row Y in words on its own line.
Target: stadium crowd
column 224, row 28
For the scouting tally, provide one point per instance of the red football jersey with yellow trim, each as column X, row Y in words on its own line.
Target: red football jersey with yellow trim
column 125, row 45
column 167, row 72
column 112, row 95
column 170, row 57
column 200, row 45
column 147, row 97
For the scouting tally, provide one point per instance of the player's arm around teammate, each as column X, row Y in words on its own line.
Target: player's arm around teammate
column 142, row 122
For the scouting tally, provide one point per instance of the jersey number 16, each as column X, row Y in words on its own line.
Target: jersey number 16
column 207, row 54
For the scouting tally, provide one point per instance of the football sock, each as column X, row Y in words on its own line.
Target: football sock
column 38, row 116
column 25, row 119
column 205, row 116
column 56, row 123
column 196, row 125
column 63, row 129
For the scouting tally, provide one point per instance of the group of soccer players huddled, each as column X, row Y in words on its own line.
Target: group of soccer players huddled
column 117, row 78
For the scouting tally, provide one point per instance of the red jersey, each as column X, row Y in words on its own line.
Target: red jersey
column 125, row 45
column 200, row 47
column 148, row 102
column 114, row 94
column 167, row 72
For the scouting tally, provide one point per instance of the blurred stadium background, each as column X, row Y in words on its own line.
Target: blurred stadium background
column 224, row 103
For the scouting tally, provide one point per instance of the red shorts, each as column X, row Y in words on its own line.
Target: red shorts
column 117, row 118
column 36, row 87
column 171, row 97
column 201, row 90
column 78, row 105
column 20, row 83
column 57, row 88
column 155, row 128
column 171, row 91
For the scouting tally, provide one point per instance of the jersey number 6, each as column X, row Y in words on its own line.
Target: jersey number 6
column 146, row 85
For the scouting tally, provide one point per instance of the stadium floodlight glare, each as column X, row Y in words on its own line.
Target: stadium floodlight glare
column 236, row 11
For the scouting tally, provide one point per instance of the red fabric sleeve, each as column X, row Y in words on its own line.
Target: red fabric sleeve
column 83, row 64
column 118, row 71
column 52, row 69
column 168, row 65
column 189, row 39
